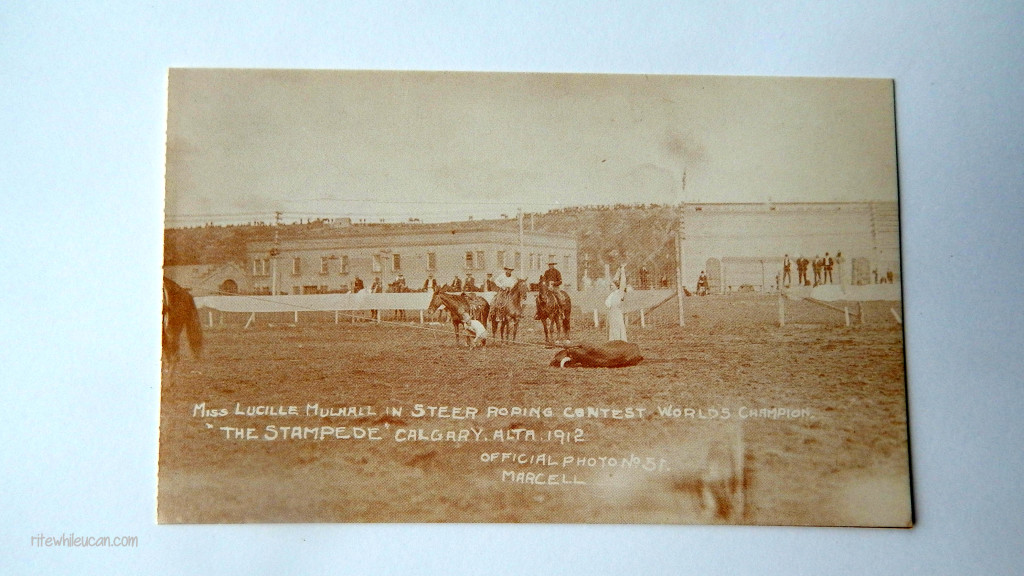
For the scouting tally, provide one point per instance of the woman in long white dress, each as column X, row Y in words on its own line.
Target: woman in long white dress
column 616, row 321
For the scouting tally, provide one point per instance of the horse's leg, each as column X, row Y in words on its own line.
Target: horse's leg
column 173, row 341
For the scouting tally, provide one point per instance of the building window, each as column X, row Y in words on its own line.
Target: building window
column 296, row 266
column 396, row 262
column 432, row 261
column 469, row 260
column 325, row 264
column 479, row 260
column 344, row 263
column 260, row 267
column 501, row 258
column 519, row 261
column 377, row 264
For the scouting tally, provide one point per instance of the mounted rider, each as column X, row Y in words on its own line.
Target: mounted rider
column 505, row 283
column 552, row 280
column 552, row 276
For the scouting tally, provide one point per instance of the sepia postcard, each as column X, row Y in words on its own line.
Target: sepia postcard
column 429, row 297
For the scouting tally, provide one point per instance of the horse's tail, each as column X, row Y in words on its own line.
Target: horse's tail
column 181, row 310
column 193, row 328
column 566, row 307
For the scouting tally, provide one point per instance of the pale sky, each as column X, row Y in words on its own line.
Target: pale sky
column 242, row 144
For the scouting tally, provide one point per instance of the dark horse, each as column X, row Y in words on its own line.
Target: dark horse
column 456, row 305
column 179, row 314
column 554, row 309
column 507, row 308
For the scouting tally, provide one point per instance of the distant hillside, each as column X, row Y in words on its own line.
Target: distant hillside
column 637, row 235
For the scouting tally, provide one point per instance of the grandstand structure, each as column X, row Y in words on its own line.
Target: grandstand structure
column 741, row 246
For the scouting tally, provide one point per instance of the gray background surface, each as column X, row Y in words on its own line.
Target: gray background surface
column 81, row 141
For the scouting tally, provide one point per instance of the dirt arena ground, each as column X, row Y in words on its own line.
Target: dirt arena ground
column 802, row 424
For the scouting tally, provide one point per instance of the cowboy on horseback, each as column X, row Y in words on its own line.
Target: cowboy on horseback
column 504, row 282
column 552, row 278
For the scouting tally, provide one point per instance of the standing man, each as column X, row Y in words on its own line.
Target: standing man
column 430, row 285
column 827, row 264
column 357, row 285
column 786, row 265
column 469, row 285
column 376, row 288
column 489, row 285
column 840, row 261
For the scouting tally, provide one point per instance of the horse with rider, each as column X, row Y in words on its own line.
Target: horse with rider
column 507, row 306
column 554, row 307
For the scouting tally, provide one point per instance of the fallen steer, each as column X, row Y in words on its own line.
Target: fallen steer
column 614, row 354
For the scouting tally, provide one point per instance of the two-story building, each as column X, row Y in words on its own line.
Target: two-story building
column 334, row 263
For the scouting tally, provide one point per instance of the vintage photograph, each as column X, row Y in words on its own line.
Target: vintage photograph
column 531, row 298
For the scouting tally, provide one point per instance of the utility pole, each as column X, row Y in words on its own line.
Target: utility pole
column 520, row 272
column 679, row 271
column 274, row 252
